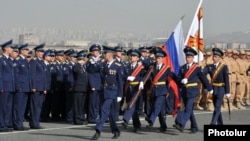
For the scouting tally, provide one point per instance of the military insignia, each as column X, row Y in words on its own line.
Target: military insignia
column 23, row 65
column 17, row 58
column 34, row 58
column 64, row 68
column 52, row 68
column 4, row 63
column 118, row 64
column 102, row 60
column 14, row 64
column 139, row 63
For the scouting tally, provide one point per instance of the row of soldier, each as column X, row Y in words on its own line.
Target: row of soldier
column 59, row 88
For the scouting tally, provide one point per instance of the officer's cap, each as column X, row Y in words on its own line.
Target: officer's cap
column 242, row 52
column 66, row 52
column 229, row 50
column 29, row 54
column 15, row 48
column 6, row 44
column 142, row 49
column 208, row 53
column 72, row 53
column 124, row 52
column 189, row 51
column 134, row 52
column 160, row 53
column 89, row 55
column 108, row 49
column 151, row 49
column 47, row 53
column 95, row 47
column 59, row 53
column 82, row 52
column 235, row 52
column 81, row 56
column 118, row 48
column 217, row 51
column 23, row 47
column 40, row 47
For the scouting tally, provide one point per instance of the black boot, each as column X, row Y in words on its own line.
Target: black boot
column 116, row 135
column 96, row 136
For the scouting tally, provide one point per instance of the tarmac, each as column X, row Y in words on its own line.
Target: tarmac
column 69, row 132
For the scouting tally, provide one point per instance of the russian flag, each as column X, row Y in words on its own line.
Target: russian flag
column 175, row 58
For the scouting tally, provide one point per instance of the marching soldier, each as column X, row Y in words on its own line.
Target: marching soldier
column 7, row 87
column 134, row 82
column 220, row 83
column 188, row 77
column 112, row 93
column 159, row 88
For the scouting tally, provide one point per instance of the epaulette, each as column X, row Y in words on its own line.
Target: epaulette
column 118, row 64
column 17, row 58
column 34, row 58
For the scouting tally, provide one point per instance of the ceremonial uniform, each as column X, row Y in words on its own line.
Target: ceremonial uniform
column 189, row 91
column 23, row 89
column 94, row 67
column 38, row 85
column 131, row 88
column 7, row 89
column 112, row 93
column 220, row 83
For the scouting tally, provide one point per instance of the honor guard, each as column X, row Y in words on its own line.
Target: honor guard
column 112, row 93
column 188, row 78
column 7, row 87
column 220, row 83
column 159, row 89
column 135, row 78
column 38, row 86
column 94, row 66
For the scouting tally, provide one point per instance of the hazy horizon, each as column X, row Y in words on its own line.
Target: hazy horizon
column 139, row 16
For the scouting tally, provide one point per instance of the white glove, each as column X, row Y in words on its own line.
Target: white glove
column 141, row 86
column 211, row 92
column 131, row 78
column 119, row 99
column 227, row 95
column 184, row 81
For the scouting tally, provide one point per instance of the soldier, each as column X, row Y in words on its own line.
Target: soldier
column 68, row 82
column 220, row 82
column 247, row 97
column 58, row 96
column 22, row 84
column 134, row 82
column 188, row 77
column 38, row 86
column 159, row 88
column 113, row 90
column 80, row 88
column 94, row 66
column 7, row 87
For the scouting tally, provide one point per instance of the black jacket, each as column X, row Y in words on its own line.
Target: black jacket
column 80, row 78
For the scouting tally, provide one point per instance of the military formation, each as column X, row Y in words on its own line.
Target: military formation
column 97, row 85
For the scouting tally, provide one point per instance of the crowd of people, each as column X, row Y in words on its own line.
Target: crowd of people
column 99, row 84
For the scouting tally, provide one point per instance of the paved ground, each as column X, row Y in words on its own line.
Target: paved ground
column 66, row 132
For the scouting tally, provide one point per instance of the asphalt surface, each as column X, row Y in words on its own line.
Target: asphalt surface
column 68, row 132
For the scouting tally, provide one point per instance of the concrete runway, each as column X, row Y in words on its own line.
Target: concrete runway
column 67, row 132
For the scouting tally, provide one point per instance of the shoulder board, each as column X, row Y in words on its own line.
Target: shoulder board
column 34, row 58
column 102, row 60
column 17, row 58
column 118, row 64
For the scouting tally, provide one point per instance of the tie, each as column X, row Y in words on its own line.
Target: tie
column 107, row 65
column 158, row 67
column 188, row 67
column 132, row 67
column 215, row 66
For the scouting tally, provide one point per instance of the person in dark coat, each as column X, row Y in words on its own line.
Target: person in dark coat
column 80, row 88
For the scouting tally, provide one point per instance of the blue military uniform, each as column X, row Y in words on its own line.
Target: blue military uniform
column 68, row 82
column 38, row 85
column 94, row 67
column 159, row 92
column 131, row 92
column 220, row 84
column 23, row 88
column 7, row 89
column 112, row 91
column 189, row 92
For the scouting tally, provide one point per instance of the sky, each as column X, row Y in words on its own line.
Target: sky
column 139, row 16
